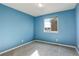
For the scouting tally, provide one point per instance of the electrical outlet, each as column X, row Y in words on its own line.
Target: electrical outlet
column 56, row 40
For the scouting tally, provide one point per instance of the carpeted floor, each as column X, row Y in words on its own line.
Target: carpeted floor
column 42, row 49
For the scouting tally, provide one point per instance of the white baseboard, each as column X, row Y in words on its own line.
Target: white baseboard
column 60, row 45
column 15, row 47
column 55, row 43
column 39, row 41
column 77, row 50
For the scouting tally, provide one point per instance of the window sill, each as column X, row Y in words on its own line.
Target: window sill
column 51, row 31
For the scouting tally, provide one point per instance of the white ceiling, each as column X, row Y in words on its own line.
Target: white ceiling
column 33, row 9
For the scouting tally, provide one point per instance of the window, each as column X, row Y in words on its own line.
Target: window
column 50, row 25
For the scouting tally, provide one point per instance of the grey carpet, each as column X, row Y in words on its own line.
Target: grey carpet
column 42, row 49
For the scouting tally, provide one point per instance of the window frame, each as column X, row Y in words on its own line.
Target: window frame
column 51, row 31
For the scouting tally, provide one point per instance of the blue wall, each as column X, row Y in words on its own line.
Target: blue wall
column 15, row 26
column 66, row 28
column 77, row 24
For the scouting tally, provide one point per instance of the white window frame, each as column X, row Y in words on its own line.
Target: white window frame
column 51, row 31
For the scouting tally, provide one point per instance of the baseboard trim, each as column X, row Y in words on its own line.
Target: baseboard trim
column 60, row 45
column 77, row 50
column 39, row 41
column 15, row 48
column 55, row 43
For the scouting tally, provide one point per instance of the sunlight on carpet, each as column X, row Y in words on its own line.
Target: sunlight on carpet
column 35, row 53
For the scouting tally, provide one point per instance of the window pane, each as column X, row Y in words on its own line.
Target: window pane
column 50, row 24
column 54, row 24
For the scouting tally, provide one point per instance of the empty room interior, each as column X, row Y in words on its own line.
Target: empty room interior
column 39, row 29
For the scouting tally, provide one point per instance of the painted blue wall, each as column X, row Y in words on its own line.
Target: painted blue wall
column 66, row 28
column 15, row 26
column 77, row 24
